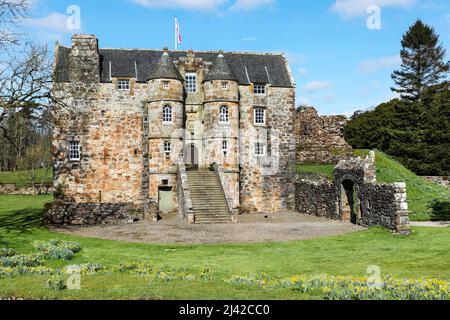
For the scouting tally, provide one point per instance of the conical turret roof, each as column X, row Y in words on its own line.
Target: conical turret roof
column 220, row 70
column 165, row 69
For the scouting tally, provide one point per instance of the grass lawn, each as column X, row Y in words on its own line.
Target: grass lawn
column 21, row 178
column 423, row 254
column 420, row 191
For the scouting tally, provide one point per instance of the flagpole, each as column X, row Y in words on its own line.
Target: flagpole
column 176, row 35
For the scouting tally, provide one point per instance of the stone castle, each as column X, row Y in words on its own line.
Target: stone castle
column 142, row 132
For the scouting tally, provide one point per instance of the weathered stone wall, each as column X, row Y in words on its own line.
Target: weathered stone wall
column 13, row 189
column 320, row 139
column 355, row 196
column 316, row 198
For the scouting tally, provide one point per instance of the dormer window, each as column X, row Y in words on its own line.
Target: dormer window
column 191, row 82
column 123, row 85
column 259, row 89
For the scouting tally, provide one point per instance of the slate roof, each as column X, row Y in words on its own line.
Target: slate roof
column 140, row 64
column 165, row 69
column 220, row 70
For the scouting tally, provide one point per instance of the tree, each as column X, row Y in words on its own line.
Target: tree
column 423, row 62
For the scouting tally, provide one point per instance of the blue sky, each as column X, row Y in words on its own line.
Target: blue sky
column 340, row 65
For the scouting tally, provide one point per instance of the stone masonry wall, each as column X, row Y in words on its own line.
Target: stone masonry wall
column 320, row 139
column 355, row 189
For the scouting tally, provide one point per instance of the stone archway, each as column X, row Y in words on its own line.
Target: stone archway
column 191, row 157
column 350, row 202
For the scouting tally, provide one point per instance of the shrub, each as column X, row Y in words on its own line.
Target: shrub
column 23, row 260
column 56, row 283
column 440, row 210
column 6, row 252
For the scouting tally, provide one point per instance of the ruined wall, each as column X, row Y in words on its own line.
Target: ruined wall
column 355, row 196
column 320, row 139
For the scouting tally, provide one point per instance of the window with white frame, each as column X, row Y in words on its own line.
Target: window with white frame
column 260, row 149
column 224, row 114
column 259, row 88
column 260, row 116
column 167, row 114
column 167, row 147
column 123, row 85
column 191, row 82
column 74, row 151
column 225, row 148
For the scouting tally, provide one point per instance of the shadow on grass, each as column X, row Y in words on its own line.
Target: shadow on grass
column 21, row 222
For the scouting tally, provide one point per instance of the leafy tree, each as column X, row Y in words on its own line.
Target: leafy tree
column 423, row 62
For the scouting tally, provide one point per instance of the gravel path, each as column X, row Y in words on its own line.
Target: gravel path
column 444, row 224
column 250, row 229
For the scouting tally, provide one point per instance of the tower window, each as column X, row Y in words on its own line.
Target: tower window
column 123, row 85
column 74, row 151
column 167, row 114
column 225, row 148
column 166, row 84
column 224, row 114
column 191, row 82
column 259, row 89
column 260, row 116
column 167, row 147
column 224, row 85
column 260, row 149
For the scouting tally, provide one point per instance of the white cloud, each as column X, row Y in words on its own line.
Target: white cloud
column 55, row 22
column 302, row 101
column 315, row 86
column 295, row 58
column 347, row 9
column 302, row 72
column 203, row 5
column 250, row 4
column 373, row 66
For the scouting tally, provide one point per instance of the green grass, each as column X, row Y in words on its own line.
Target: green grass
column 22, row 178
column 423, row 254
column 420, row 191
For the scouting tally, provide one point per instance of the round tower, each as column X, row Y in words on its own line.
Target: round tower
column 165, row 118
column 221, row 124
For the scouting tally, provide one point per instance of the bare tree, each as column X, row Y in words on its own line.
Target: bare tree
column 12, row 12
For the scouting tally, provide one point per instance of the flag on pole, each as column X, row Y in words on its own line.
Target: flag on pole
column 178, row 39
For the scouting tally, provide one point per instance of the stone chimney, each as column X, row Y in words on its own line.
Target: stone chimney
column 84, row 59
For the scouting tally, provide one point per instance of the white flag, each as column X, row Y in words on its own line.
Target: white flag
column 178, row 39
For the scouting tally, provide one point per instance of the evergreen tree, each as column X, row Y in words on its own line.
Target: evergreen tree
column 423, row 62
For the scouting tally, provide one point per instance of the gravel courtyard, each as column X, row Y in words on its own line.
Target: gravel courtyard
column 250, row 229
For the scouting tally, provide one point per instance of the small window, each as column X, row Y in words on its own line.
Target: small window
column 167, row 147
column 74, row 151
column 225, row 148
column 191, row 82
column 260, row 149
column 145, row 119
column 123, row 85
column 224, row 114
column 166, row 84
column 224, row 85
column 167, row 114
column 260, row 116
column 259, row 89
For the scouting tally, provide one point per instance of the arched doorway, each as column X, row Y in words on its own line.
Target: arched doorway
column 191, row 157
column 350, row 202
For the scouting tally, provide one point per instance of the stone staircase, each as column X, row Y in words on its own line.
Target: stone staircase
column 208, row 200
